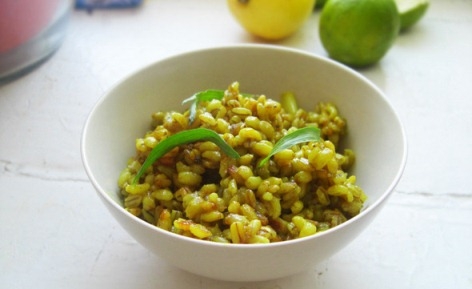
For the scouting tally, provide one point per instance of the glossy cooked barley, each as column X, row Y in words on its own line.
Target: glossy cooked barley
column 197, row 191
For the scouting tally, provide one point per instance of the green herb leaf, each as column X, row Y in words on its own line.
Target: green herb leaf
column 289, row 103
column 181, row 138
column 301, row 135
column 205, row 95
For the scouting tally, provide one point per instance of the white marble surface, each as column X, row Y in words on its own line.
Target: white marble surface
column 55, row 232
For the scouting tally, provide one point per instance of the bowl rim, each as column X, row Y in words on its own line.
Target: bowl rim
column 364, row 212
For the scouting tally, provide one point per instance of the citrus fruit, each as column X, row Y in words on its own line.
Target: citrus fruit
column 411, row 11
column 358, row 32
column 271, row 19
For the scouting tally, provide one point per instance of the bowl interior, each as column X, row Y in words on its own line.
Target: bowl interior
column 375, row 133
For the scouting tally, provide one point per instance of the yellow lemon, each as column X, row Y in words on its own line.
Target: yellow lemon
column 358, row 32
column 271, row 19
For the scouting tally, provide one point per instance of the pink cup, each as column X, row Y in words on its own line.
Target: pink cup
column 28, row 32
column 21, row 20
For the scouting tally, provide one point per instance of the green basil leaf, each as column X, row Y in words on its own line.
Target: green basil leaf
column 205, row 95
column 301, row 135
column 181, row 138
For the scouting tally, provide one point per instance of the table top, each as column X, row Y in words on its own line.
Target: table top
column 55, row 232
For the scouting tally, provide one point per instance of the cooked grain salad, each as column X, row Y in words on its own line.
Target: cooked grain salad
column 196, row 189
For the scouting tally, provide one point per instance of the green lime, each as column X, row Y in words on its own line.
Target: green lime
column 411, row 11
column 358, row 32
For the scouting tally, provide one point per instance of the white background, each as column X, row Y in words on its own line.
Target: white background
column 55, row 232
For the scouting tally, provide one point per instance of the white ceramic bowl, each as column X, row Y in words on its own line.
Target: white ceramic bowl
column 123, row 114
